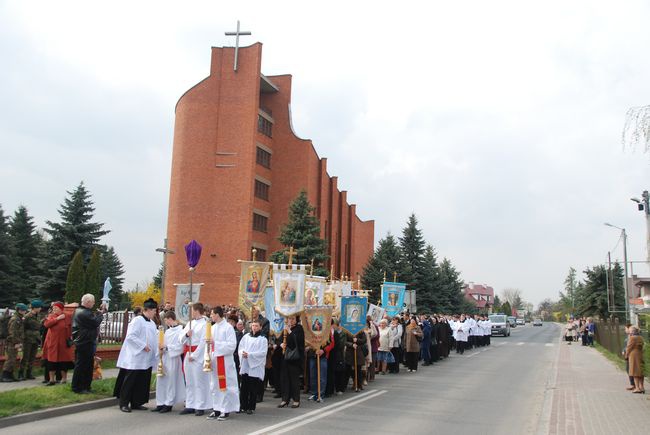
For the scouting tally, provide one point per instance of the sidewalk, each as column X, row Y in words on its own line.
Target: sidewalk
column 8, row 386
column 589, row 396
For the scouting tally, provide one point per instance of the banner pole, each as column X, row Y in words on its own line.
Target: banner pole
column 356, row 387
column 318, row 373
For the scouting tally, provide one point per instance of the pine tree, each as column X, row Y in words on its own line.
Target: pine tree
column 302, row 231
column 8, row 294
column 412, row 248
column 593, row 293
column 451, row 289
column 113, row 269
column 429, row 298
column 506, row 308
column 93, row 276
column 75, row 232
column 75, row 281
column 26, row 243
column 157, row 280
column 385, row 259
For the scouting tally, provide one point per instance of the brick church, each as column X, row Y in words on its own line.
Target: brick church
column 237, row 165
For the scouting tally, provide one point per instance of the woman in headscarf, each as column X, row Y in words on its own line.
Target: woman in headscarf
column 57, row 349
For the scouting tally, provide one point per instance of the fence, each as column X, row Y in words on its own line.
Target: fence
column 113, row 328
column 611, row 334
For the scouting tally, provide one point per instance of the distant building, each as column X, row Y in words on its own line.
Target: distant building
column 481, row 295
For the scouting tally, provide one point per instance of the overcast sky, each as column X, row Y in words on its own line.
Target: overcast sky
column 497, row 123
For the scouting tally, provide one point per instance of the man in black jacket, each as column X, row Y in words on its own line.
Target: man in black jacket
column 84, row 332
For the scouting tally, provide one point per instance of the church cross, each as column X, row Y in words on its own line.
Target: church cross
column 236, row 34
column 291, row 253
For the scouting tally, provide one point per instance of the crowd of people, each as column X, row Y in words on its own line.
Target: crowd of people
column 580, row 329
column 245, row 359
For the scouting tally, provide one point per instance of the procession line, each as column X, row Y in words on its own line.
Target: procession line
column 325, row 414
column 319, row 411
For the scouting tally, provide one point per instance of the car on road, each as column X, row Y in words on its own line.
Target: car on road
column 521, row 321
column 537, row 322
column 513, row 321
column 500, row 325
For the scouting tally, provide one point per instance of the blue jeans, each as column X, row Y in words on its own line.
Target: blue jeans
column 313, row 383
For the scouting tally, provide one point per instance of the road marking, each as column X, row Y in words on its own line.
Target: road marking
column 521, row 343
column 319, row 413
column 501, row 344
column 549, row 344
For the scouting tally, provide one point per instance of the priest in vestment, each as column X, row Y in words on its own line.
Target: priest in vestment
column 253, row 348
column 223, row 378
column 137, row 358
column 197, row 382
column 170, row 388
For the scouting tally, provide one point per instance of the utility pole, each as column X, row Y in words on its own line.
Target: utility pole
column 644, row 206
column 165, row 251
column 625, row 281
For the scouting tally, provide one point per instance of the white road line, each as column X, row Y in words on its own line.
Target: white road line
column 521, row 343
column 325, row 414
column 549, row 344
column 333, row 407
column 501, row 344
column 471, row 354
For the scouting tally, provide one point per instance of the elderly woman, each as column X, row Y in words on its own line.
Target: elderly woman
column 412, row 336
column 56, row 351
column 384, row 355
column 634, row 355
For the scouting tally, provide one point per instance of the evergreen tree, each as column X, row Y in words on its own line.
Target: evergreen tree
column 113, row 269
column 302, row 231
column 93, row 277
column 157, row 280
column 8, row 294
column 429, row 298
column 567, row 298
column 385, row 259
column 26, row 251
column 76, row 232
column 412, row 248
column 451, row 289
column 593, row 294
column 506, row 308
column 75, row 281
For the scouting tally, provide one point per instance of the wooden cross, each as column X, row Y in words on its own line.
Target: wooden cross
column 291, row 253
column 237, row 34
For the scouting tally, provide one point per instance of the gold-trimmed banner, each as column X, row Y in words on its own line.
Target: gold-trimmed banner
column 252, row 284
column 316, row 322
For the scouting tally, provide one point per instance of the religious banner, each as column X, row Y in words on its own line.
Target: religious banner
column 353, row 313
column 276, row 321
column 316, row 322
column 392, row 297
column 252, row 283
column 289, row 284
column 183, row 300
column 314, row 290
column 376, row 313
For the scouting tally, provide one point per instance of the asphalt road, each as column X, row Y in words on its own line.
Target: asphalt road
column 494, row 390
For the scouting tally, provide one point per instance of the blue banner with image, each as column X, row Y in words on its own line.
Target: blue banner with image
column 392, row 297
column 353, row 313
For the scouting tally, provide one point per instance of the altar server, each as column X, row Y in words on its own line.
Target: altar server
column 252, row 356
column 197, row 382
column 462, row 332
column 223, row 378
column 137, row 358
column 170, row 388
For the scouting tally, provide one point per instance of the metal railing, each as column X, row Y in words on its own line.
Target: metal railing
column 113, row 328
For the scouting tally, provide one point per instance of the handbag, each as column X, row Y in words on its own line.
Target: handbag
column 292, row 354
column 69, row 342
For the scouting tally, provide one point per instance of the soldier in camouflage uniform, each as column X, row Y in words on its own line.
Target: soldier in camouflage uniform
column 14, row 343
column 32, row 326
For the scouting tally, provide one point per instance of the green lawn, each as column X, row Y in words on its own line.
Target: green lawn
column 35, row 398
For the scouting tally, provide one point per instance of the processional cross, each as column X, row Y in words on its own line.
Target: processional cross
column 291, row 253
column 236, row 34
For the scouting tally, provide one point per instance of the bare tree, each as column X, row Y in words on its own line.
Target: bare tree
column 636, row 131
column 512, row 296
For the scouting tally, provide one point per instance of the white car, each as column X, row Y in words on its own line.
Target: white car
column 537, row 322
column 521, row 321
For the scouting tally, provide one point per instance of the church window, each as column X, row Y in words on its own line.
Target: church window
column 264, row 126
column 260, row 223
column 261, row 190
column 263, row 158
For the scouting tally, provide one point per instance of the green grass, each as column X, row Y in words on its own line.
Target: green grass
column 30, row 399
column 620, row 362
column 37, row 371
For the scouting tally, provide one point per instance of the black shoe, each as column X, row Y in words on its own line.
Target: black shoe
column 158, row 408
column 21, row 376
column 250, row 411
column 277, row 396
column 223, row 417
column 139, row 408
column 125, row 409
column 29, row 375
column 187, row 411
column 78, row 392
column 49, row 384
column 199, row 412
column 241, row 411
column 165, row 409
column 214, row 415
column 45, row 381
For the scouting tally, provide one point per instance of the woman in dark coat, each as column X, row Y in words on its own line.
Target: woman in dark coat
column 425, row 348
column 355, row 344
column 337, row 358
column 292, row 368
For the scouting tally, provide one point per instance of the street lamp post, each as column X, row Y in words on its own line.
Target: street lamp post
column 625, row 282
column 165, row 251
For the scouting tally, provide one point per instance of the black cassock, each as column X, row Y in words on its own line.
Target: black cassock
column 132, row 387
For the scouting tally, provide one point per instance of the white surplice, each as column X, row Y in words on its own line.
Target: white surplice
column 197, row 382
column 170, row 389
column 225, row 343
column 462, row 331
column 140, row 334
column 256, row 348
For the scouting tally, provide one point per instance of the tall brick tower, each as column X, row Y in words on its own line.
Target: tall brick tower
column 236, row 167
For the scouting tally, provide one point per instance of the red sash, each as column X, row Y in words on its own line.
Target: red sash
column 186, row 349
column 221, row 372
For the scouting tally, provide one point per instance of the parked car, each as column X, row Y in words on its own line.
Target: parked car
column 521, row 321
column 537, row 322
column 500, row 325
column 513, row 321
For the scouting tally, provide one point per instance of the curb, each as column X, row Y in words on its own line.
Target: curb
column 63, row 410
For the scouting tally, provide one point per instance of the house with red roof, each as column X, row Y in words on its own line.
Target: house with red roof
column 481, row 295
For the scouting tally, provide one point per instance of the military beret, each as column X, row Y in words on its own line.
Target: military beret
column 21, row 307
column 36, row 303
